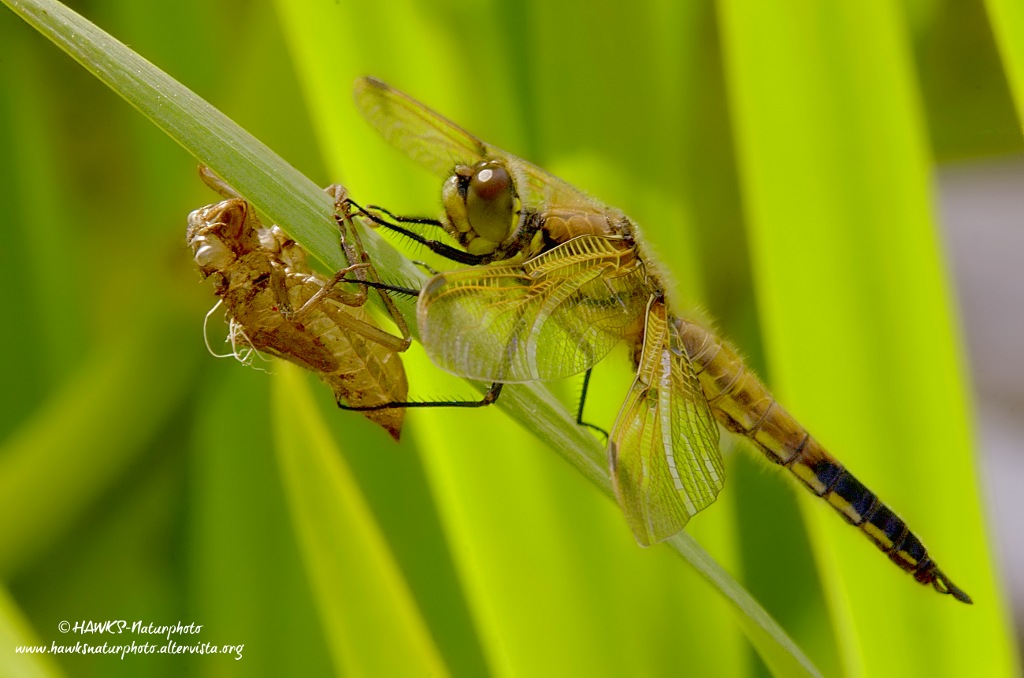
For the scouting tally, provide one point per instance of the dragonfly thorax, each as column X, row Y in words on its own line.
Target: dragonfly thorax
column 479, row 201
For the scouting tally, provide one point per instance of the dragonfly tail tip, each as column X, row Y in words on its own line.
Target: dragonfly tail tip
column 942, row 584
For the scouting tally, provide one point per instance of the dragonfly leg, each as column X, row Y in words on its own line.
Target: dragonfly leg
column 279, row 285
column 329, row 290
column 352, row 246
column 490, row 397
column 583, row 400
column 360, row 272
column 387, row 287
column 422, row 221
column 217, row 184
column 425, row 266
column 436, row 246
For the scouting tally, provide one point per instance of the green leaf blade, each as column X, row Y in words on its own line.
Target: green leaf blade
column 1007, row 19
column 858, row 324
column 371, row 621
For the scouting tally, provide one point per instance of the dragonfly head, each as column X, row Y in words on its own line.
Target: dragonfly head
column 479, row 201
column 218, row 234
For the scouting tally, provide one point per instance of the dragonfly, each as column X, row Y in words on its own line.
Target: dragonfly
column 556, row 279
column 278, row 305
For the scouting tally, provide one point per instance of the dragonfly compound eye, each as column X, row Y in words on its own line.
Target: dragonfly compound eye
column 489, row 202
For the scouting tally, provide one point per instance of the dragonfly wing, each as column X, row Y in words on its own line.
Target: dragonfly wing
column 665, row 461
column 438, row 144
column 554, row 316
column 538, row 189
column 429, row 138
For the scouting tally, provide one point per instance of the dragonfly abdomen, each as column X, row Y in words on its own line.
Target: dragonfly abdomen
column 744, row 405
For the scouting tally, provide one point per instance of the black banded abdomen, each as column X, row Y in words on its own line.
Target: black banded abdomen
column 742, row 404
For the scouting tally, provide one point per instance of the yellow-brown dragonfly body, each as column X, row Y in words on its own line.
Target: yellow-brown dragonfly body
column 278, row 305
column 742, row 404
column 567, row 280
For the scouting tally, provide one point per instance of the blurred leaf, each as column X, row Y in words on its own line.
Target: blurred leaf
column 369, row 617
column 1007, row 18
column 82, row 432
column 853, row 299
column 242, row 535
column 967, row 100
column 14, row 632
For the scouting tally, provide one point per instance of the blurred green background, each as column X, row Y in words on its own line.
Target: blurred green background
column 780, row 162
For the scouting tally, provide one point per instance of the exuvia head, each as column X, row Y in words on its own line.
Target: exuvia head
column 219, row 234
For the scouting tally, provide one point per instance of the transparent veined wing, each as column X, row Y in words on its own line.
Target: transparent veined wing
column 554, row 316
column 666, row 465
column 439, row 145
